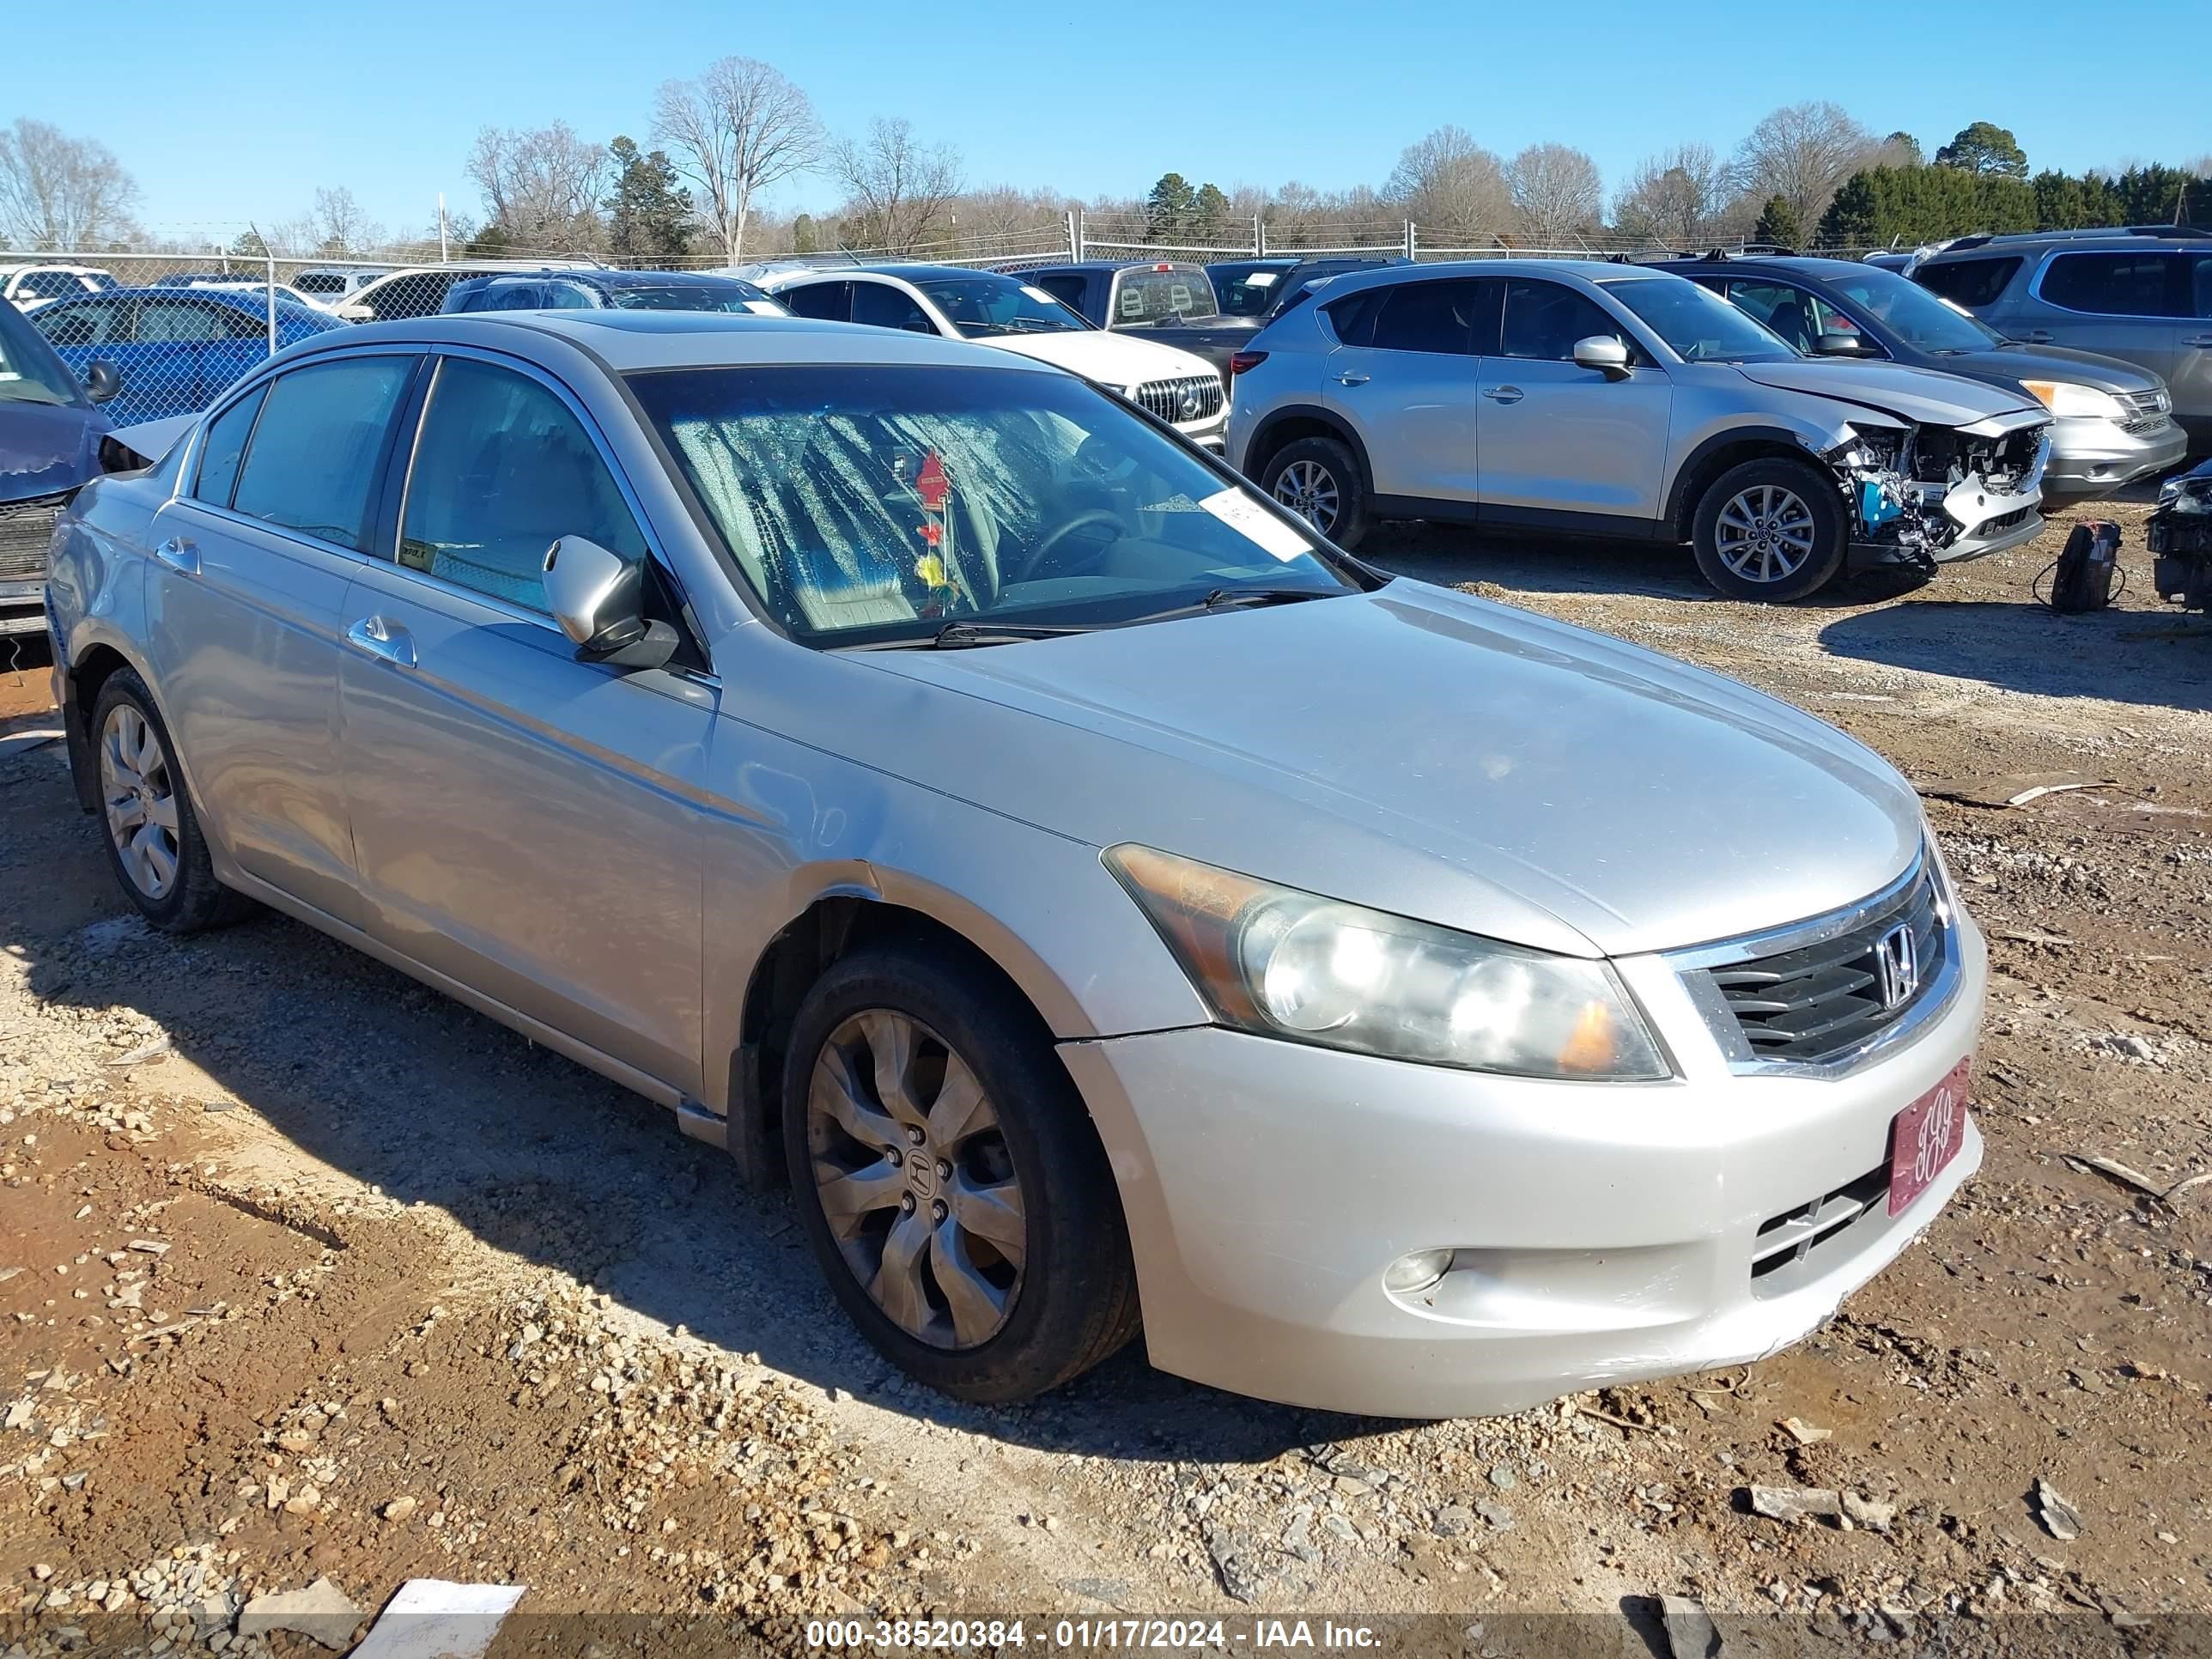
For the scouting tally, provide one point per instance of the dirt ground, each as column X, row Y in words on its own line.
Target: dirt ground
column 306, row 1272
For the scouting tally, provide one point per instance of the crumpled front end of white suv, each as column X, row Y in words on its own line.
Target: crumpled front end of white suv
column 1932, row 494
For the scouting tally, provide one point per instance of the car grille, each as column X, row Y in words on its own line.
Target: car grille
column 26, row 531
column 1822, row 1000
column 1194, row 397
column 2147, row 411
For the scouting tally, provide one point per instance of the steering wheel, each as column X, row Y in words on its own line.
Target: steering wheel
column 1053, row 538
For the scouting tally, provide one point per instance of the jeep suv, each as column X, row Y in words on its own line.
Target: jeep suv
column 1618, row 400
column 2142, row 294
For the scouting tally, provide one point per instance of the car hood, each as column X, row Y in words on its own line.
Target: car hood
column 1422, row 752
column 2022, row 362
column 1114, row 360
column 1923, row 397
column 47, row 447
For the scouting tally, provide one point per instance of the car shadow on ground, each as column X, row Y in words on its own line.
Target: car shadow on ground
column 403, row 1089
column 1451, row 555
column 2157, row 659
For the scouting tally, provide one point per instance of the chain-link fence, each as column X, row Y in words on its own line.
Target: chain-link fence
column 177, row 329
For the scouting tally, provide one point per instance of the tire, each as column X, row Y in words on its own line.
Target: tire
column 1318, row 479
column 1780, row 516
column 147, row 821
column 1016, row 1328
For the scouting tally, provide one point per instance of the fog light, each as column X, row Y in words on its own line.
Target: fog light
column 1410, row 1274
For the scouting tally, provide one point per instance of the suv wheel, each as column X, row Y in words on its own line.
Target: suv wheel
column 949, row 1179
column 1770, row 529
column 153, row 840
column 1318, row 479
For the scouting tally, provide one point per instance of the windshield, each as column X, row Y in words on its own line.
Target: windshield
column 1923, row 319
column 31, row 371
column 873, row 504
column 984, row 305
column 1698, row 323
column 1148, row 296
column 730, row 294
column 1249, row 290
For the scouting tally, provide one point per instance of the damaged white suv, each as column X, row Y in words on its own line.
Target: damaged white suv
column 1616, row 400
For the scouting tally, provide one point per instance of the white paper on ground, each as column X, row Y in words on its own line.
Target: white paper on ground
column 1255, row 524
column 434, row 1619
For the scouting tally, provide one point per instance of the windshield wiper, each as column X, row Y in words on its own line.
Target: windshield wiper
column 958, row 635
column 1222, row 598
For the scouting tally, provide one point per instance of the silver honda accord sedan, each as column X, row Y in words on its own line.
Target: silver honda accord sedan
column 1109, row 906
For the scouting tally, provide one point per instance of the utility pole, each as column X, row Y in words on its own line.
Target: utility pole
column 444, row 257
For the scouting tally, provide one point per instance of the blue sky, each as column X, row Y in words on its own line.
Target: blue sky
column 240, row 112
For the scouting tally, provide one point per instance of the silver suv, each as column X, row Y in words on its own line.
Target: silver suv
column 1616, row 400
column 2143, row 296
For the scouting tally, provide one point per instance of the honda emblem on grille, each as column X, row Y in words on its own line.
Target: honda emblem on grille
column 1896, row 966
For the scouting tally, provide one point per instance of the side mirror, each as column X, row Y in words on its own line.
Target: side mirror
column 1837, row 344
column 355, row 312
column 1603, row 353
column 102, row 380
column 598, row 598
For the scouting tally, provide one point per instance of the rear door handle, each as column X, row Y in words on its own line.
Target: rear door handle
column 2197, row 339
column 387, row 641
column 180, row 555
column 1351, row 379
column 1503, row 394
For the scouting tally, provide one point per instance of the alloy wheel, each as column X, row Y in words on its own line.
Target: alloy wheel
column 1309, row 489
column 138, row 794
column 914, row 1177
column 1766, row 533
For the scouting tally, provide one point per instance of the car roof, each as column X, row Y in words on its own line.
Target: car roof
column 609, row 278
column 2147, row 238
column 1800, row 265
column 1111, row 264
column 1590, row 270
column 236, row 298
column 913, row 273
column 624, row 341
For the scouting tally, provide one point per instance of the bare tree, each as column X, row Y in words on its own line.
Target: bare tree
column 897, row 188
column 1448, row 181
column 736, row 129
column 56, row 192
column 1674, row 198
column 1557, row 193
column 541, row 188
column 1802, row 153
column 340, row 225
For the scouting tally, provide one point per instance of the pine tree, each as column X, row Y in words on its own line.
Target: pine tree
column 649, row 214
column 1777, row 223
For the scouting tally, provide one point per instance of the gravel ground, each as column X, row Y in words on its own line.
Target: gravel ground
column 307, row 1273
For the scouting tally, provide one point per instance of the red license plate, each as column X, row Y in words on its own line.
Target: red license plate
column 1925, row 1136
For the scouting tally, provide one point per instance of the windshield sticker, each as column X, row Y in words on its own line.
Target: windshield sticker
column 764, row 307
column 1263, row 279
column 1257, row 524
column 1039, row 295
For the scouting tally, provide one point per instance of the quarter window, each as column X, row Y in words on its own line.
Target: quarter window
column 226, row 448
column 1543, row 320
column 1433, row 317
column 312, row 464
column 2115, row 284
column 1972, row 283
column 502, row 471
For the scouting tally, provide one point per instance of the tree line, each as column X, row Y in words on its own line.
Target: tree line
column 722, row 145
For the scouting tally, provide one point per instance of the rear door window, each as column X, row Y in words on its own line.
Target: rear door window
column 1067, row 287
column 1972, row 283
column 881, row 306
column 313, row 461
column 94, row 322
column 2129, row 284
column 502, row 470
column 826, row 302
column 1441, row 318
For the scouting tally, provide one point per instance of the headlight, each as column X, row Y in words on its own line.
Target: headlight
column 1284, row 964
column 2187, row 493
column 2076, row 402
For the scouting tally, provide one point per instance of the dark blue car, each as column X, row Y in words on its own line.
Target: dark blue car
column 628, row 290
column 177, row 348
column 50, row 435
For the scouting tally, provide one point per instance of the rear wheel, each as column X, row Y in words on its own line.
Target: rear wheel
column 1771, row 529
column 1318, row 479
column 153, row 840
column 949, row 1178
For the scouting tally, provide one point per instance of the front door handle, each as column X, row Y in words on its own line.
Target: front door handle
column 180, row 555
column 1503, row 394
column 2037, row 337
column 2197, row 339
column 387, row 641
column 1351, row 379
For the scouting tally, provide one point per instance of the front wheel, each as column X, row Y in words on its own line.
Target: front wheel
column 949, row 1178
column 1770, row 530
column 1318, row 479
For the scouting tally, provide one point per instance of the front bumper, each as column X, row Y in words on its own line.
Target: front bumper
column 2092, row 458
column 1605, row 1233
column 22, row 607
column 1212, row 434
